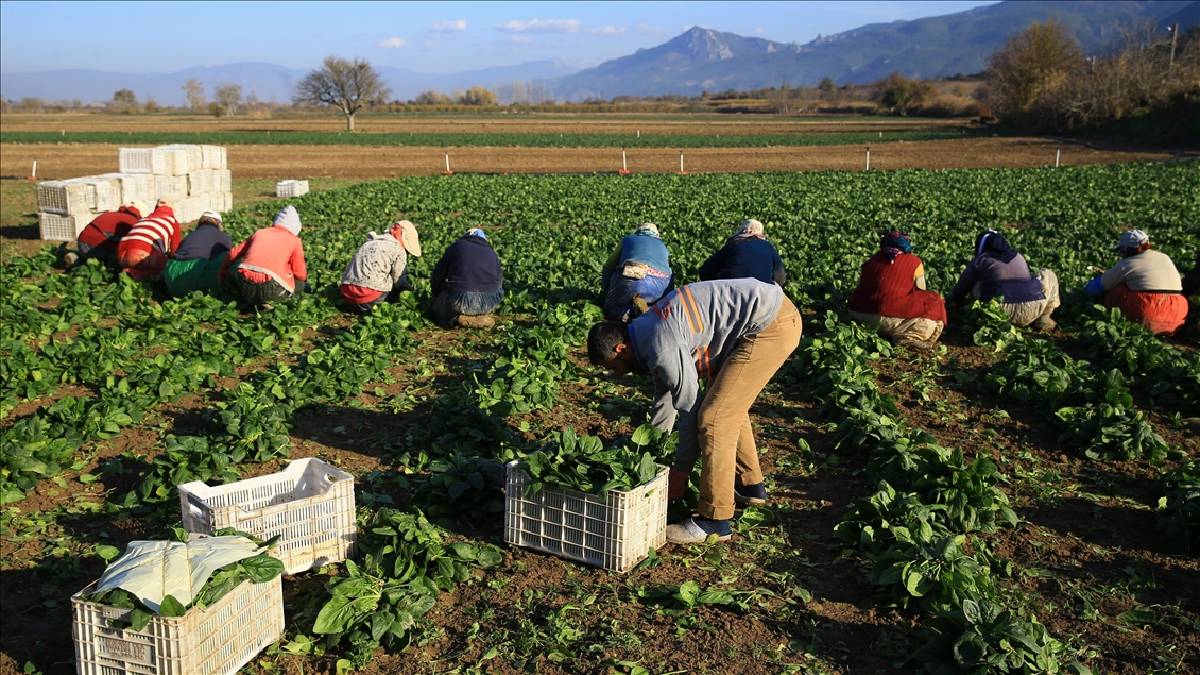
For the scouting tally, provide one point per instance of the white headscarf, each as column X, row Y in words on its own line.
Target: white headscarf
column 648, row 228
column 408, row 236
column 288, row 219
column 749, row 228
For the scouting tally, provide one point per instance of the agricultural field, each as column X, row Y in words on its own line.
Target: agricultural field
column 1010, row 502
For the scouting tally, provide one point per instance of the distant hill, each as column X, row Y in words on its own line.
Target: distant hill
column 703, row 59
column 269, row 82
column 698, row 60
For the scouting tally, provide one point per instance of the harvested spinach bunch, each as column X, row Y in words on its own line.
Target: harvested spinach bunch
column 569, row 460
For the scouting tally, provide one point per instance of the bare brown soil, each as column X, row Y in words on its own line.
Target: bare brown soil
column 264, row 161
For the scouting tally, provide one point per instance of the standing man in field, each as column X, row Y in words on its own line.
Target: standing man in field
column 143, row 252
column 746, row 254
column 737, row 334
column 269, row 266
column 197, row 263
column 638, row 273
column 378, row 272
column 467, row 283
column 100, row 237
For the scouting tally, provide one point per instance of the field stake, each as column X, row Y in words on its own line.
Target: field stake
column 639, row 133
column 1057, row 157
column 624, row 164
column 681, row 171
column 448, row 171
column 33, row 176
column 868, row 159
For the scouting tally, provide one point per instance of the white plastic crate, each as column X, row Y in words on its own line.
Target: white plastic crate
column 214, row 640
column 104, row 193
column 135, row 160
column 65, row 196
column 190, row 208
column 202, row 182
column 289, row 189
column 310, row 505
column 226, row 202
column 171, row 188
column 133, row 186
column 56, row 227
column 169, row 160
column 224, row 180
column 212, row 157
column 615, row 530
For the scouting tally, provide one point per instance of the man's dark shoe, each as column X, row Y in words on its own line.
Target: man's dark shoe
column 750, row 495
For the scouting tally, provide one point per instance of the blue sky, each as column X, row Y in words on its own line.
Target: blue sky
column 425, row 36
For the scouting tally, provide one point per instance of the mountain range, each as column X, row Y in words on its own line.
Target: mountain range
column 699, row 59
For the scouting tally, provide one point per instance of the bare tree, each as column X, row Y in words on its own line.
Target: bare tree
column 348, row 85
column 194, row 91
column 1030, row 67
column 229, row 97
column 124, row 100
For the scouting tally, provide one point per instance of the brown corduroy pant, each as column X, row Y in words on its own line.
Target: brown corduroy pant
column 727, row 447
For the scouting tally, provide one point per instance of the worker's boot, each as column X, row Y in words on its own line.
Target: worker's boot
column 1044, row 324
column 481, row 321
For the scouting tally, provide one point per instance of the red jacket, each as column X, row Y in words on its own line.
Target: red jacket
column 271, row 253
column 158, row 231
column 103, row 233
column 888, row 288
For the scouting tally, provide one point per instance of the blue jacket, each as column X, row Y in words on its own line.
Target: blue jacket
column 469, row 264
column 745, row 257
column 641, row 248
column 206, row 242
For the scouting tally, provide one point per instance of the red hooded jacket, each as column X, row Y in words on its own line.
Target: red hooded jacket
column 157, row 232
column 107, row 229
column 886, row 288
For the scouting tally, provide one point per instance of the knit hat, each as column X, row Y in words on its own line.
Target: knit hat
column 288, row 219
column 211, row 216
column 476, row 232
column 408, row 236
column 648, row 228
column 1132, row 240
column 749, row 228
column 141, row 207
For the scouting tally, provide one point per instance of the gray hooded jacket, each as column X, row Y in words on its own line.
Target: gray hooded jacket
column 687, row 335
column 377, row 264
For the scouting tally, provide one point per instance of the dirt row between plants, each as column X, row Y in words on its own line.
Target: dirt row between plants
column 262, row 161
column 494, row 123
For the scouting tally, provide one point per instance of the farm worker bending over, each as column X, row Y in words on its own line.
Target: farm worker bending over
column 891, row 295
column 100, row 237
column 379, row 269
column 1144, row 285
column 142, row 253
column 637, row 273
column 269, row 266
column 736, row 333
column 197, row 263
column 467, row 283
column 746, row 254
column 998, row 271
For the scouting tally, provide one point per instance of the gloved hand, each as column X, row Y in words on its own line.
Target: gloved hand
column 677, row 483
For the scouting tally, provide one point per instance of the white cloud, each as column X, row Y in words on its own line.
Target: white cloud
column 394, row 42
column 607, row 30
column 451, row 26
column 539, row 26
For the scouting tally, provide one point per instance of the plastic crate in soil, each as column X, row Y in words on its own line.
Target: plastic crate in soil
column 213, row 640
column 614, row 530
column 53, row 227
column 309, row 505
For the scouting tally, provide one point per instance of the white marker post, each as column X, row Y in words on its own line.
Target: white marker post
column 1057, row 157
column 639, row 133
column 624, row 164
column 448, row 171
column 681, row 162
column 868, row 159
column 33, row 176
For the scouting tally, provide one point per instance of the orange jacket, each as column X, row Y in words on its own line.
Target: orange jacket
column 270, row 253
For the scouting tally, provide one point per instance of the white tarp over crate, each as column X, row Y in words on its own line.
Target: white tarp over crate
column 152, row 570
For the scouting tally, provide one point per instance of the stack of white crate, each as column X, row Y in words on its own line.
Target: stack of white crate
column 289, row 189
column 193, row 178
